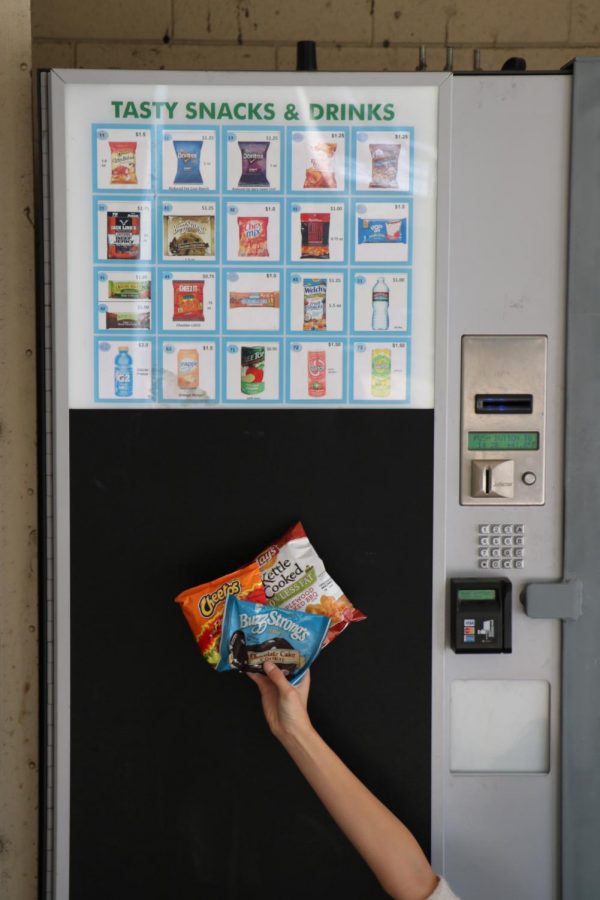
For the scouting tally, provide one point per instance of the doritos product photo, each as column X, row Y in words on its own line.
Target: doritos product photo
column 188, row 162
column 254, row 164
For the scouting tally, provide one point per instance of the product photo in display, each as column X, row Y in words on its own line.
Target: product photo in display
column 188, row 160
column 253, row 160
column 383, row 160
column 317, row 232
column 252, row 370
column 253, row 231
column 318, row 160
column 188, row 371
column 189, row 299
column 316, row 371
column 123, row 230
column 124, row 370
column 317, row 301
column 188, row 229
column 380, row 301
column 252, row 300
column 380, row 372
column 122, row 159
column 123, row 300
column 382, row 232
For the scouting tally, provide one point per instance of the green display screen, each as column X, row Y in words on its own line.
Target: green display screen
column 476, row 594
column 504, row 440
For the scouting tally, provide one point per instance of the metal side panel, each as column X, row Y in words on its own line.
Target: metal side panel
column 581, row 668
column 496, row 832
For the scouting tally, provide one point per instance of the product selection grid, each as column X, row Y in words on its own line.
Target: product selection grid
column 268, row 265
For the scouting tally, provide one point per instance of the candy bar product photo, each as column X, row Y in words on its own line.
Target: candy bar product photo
column 254, row 299
column 129, row 290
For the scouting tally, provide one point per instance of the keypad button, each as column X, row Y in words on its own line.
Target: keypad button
column 496, row 563
column 519, row 552
column 519, row 541
column 484, row 541
column 519, row 529
column 484, row 563
column 507, row 552
column 507, row 541
column 484, row 529
column 495, row 541
column 496, row 552
column 507, row 529
column 507, row 563
column 496, row 529
column 484, row 552
column 519, row 564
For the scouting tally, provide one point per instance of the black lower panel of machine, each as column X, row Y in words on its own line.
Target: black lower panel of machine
column 178, row 790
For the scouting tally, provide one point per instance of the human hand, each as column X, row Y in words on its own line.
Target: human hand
column 283, row 704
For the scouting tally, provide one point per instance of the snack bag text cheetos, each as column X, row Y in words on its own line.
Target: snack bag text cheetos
column 203, row 606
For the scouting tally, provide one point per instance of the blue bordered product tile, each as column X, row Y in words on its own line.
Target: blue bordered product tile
column 316, row 371
column 188, row 160
column 123, row 159
column 188, row 230
column 317, row 232
column 253, row 300
column 124, row 370
column 124, row 300
column 317, row 160
column 252, row 369
column 382, row 160
column 189, row 298
column 382, row 232
column 317, row 301
column 123, row 230
column 380, row 373
column 253, row 160
column 252, row 231
column 381, row 300
column 188, row 370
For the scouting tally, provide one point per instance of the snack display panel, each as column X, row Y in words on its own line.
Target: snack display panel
column 299, row 213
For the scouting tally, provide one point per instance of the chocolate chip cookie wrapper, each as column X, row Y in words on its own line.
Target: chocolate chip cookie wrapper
column 254, row 634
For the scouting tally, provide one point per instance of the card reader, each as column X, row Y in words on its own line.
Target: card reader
column 480, row 615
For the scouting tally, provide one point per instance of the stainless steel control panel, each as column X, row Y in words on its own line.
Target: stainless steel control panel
column 503, row 417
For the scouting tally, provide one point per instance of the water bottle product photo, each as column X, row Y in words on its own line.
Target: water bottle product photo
column 123, row 373
column 380, row 300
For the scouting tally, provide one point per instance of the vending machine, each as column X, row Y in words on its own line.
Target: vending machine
column 362, row 302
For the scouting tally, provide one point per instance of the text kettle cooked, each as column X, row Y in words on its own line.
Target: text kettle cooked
column 294, row 577
column 254, row 634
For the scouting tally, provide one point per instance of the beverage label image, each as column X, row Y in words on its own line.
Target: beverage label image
column 318, row 160
column 382, row 232
column 124, row 370
column 253, row 160
column 123, row 159
column 252, row 370
column 379, row 372
column 252, row 362
column 380, row 301
column 188, row 370
column 189, row 300
column 124, row 230
column 316, row 371
column 252, row 301
column 188, row 160
column 316, row 232
column 382, row 160
column 316, row 301
column 253, row 232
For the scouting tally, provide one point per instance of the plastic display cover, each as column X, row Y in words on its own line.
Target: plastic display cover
column 233, row 243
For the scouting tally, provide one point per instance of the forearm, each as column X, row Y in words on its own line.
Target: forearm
column 386, row 845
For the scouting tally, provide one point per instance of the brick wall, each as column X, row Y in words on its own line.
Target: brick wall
column 377, row 35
